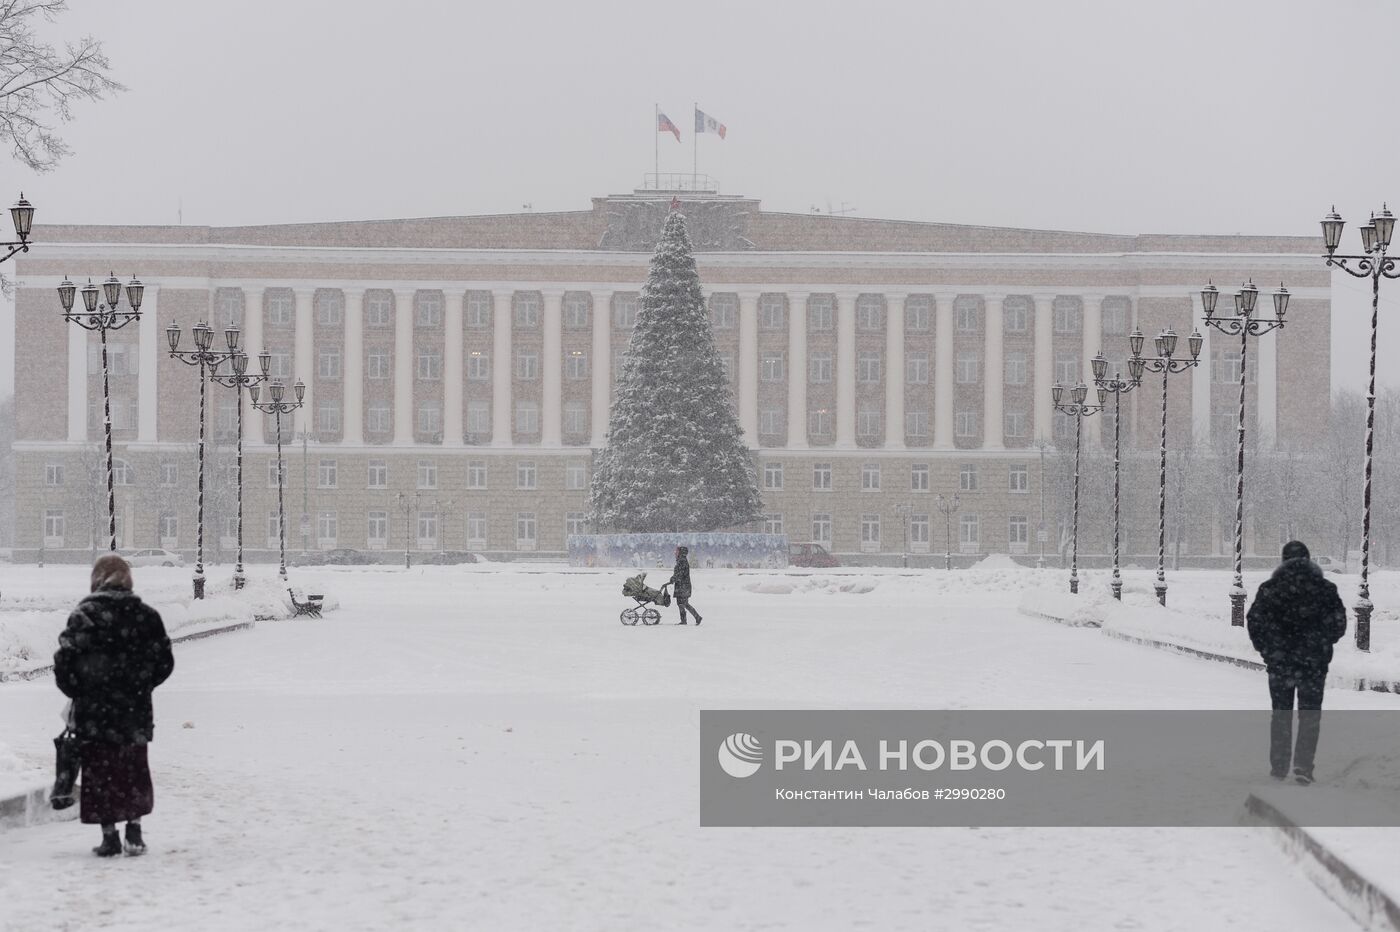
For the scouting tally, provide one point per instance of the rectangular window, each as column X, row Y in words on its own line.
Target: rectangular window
column 53, row 474
column 918, row 477
column 527, row 364
column 772, row 312
column 1066, row 368
column 476, row 529
column 429, row 365
column 378, row 474
column 916, row 368
column 476, row 474
column 821, row 312
column 377, row 530
column 771, row 422
column 1018, row 478
column 918, row 313
column 1017, row 369
column 575, row 522
column 478, row 309
column 625, row 311
column 1115, row 317
column 916, row 423
column 430, row 420
column 427, row 530
column 527, row 310
column 969, row 316
column 330, row 309
column 969, row 533
column 377, row 365
column 869, row 532
column 1063, row 428
column 868, row 368
column 328, row 418
column 1225, row 364
column 869, row 420
column 773, row 524
column 1016, row 424
column 576, row 365
column 326, row 474
column 1067, row 318
column 169, row 530
column 870, row 312
column 870, row 477
column 427, row 474
column 821, row 477
column 918, row 532
column 525, row 476
column 327, row 529
column 724, row 311
column 773, row 476
column 575, row 418
column 54, row 527
column 575, row 476
column 169, row 474
column 821, row 528
column 575, row 310
column 328, row 363
column 280, row 366
column 378, row 419
column 379, row 309
column 967, row 477
column 968, row 367
column 819, row 423
column 1016, row 317
column 478, row 421
column 1018, row 533
column 273, row 529
column 478, row 366
column 527, row 417
column 272, row 473
column 771, row 367
column 525, row 530
column 279, row 308
column 819, row 367
column 429, row 309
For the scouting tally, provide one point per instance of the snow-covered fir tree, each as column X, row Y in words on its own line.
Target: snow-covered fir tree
column 675, row 458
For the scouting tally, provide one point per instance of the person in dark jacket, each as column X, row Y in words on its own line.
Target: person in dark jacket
column 1296, row 618
column 680, row 577
column 111, row 656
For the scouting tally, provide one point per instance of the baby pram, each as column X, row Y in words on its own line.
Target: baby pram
column 636, row 588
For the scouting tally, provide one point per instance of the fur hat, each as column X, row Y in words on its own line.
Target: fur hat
column 111, row 572
column 1296, row 550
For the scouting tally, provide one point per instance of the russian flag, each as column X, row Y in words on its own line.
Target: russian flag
column 664, row 125
column 704, row 123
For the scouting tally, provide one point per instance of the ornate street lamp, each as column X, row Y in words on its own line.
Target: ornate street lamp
column 238, row 379
column 904, row 511
column 208, row 360
column 1076, row 408
column 1375, row 265
column 408, row 504
column 277, row 405
column 1117, row 387
column 1167, row 363
column 99, row 316
column 949, row 507
column 1244, row 325
column 22, row 215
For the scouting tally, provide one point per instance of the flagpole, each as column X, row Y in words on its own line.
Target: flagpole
column 695, row 163
column 656, row 140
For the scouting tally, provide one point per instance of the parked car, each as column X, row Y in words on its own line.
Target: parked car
column 1330, row 565
column 340, row 556
column 810, row 554
column 154, row 557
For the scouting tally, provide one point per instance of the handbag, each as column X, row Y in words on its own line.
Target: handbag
column 68, row 762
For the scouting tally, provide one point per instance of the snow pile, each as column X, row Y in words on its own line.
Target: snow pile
column 15, row 775
column 785, row 585
column 997, row 561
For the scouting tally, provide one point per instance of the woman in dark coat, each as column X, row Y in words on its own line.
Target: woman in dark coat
column 680, row 576
column 113, row 653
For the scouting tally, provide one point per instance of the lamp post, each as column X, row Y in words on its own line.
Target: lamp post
column 239, row 379
column 903, row 511
column 1040, row 534
column 206, row 359
column 1079, row 410
column 278, row 405
column 408, row 504
column 22, row 215
column 305, row 437
column 1244, row 325
column 1117, row 387
column 948, row 507
column 1375, row 265
column 1168, row 364
column 101, row 317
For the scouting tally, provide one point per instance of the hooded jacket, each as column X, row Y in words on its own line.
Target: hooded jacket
column 680, row 576
column 1296, row 618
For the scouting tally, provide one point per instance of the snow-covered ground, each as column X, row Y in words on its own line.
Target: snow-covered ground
column 487, row 747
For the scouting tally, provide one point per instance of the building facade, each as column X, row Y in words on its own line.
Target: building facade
column 459, row 373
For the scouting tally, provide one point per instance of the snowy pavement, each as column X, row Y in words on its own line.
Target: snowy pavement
column 461, row 749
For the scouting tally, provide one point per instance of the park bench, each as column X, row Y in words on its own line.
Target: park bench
column 312, row 605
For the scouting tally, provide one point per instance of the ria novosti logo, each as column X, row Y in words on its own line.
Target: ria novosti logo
column 740, row 755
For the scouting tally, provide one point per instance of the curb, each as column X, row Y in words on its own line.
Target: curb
column 1370, row 906
column 33, row 673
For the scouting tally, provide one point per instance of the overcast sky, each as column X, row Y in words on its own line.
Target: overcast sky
column 1122, row 117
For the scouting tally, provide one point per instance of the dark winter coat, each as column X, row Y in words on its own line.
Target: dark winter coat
column 680, row 577
column 1296, row 618
column 113, row 653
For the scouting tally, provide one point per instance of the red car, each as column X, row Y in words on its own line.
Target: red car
column 810, row 555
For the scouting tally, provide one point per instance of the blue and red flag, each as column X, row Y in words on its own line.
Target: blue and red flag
column 704, row 123
column 664, row 125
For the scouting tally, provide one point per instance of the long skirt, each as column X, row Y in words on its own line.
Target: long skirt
column 116, row 783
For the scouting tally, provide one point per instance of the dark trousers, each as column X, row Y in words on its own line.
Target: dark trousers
column 684, row 604
column 1283, row 686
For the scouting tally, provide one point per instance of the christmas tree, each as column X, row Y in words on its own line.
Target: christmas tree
column 675, row 458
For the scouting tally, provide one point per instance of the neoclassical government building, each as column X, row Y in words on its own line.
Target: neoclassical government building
column 459, row 372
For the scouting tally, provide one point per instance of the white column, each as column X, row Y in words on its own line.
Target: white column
column 303, row 360
column 501, row 369
column 1044, row 368
column 894, row 371
column 404, row 363
column 602, row 367
column 453, row 369
column 253, row 340
column 846, row 370
column 353, row 415
column 748, row 367
column 1093, row 343
column 993, row 376
column 77, row 384
column 797, row 371
column 149, row 339
column 943, row 372
column 1201, row 374
column 552, row 377
column 1268, row 389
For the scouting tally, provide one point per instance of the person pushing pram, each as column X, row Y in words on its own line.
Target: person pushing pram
column 680, row 580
